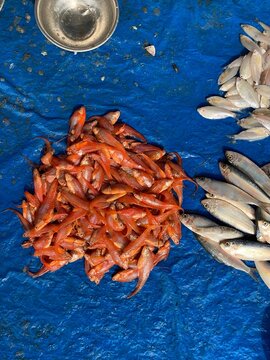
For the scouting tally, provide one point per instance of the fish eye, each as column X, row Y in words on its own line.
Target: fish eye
column 226, row 244
column 201, row 178
column 265, row 224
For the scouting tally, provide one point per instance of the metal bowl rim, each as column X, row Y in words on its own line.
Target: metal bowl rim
column 55, row 42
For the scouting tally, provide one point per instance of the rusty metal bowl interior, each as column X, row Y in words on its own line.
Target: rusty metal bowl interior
column 77, row 25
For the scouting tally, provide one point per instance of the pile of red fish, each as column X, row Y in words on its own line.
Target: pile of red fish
column 112, row 199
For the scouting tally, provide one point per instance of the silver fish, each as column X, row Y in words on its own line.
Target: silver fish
column 249, row 168
column 254, row 134
column 214, row 249
column 248, row 122
column 226, row 191
column 245, row 69
column 256, row 66
column 238, row 101
column 249, row 44
column 215, row 113
column 264, row 120
column 227, row 74
column 246, row 249
column 247, row 92
column 263, row 90
column 229, row 214
column 255, row 34
column 263, row 268
column 235, row 63
column 247, row 209
column 236, row 177
column 222, row 103
column 251, row 31
column 228, row 84
column 192, row 221
column 233, row 91
column 218, row 233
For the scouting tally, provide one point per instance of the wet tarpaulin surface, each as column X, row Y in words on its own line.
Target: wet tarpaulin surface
column 191, row 307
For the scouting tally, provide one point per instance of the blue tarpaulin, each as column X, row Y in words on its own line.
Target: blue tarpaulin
column 191, row 307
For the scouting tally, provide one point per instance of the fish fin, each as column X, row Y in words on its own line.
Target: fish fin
column 253, row 274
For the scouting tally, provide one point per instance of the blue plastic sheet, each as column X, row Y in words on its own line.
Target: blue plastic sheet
column 191, row 307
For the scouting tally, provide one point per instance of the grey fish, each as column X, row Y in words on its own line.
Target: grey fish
column 246, row 249
column 263, row 268
column 256, row 66
column 249, row 44
column 214, row 249
column 247, row 209
column 245, row 69
column 233, row 91
column 248, row 167
column 218, row 233
column 229, row 214
column 228, row 85
column 264, row 120
column 215, row 113
column 238, row 101
column 263, row 90
column 225, row 190
column 236, row 177
column 254, row 134
column 248, row 122
column 192, row 221
column 227, row 74
column 235, row 63
column 221, row 102
column 203, row 226
column 247, row 92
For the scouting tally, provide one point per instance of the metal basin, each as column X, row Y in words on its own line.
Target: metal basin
column 77, row 25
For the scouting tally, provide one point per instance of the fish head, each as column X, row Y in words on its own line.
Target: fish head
column 232, row 157
column 209, row 204
column 229, row 245
column 224, row 168
column 264, row 226
column 210, row 196
column 187, row 219
column 200, row 180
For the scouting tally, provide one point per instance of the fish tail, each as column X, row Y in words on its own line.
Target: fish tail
column 253, row 274
column 232, row 138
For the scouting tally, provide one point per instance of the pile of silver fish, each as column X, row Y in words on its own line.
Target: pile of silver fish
column 242, row 202
column 245, row 84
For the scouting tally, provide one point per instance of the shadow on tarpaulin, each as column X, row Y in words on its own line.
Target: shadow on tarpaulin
column 266, row 332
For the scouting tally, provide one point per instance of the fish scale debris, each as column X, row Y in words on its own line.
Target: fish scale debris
column 245, row 84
